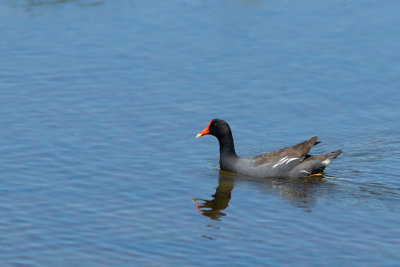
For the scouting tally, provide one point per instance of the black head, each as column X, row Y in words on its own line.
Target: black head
column 216, row 127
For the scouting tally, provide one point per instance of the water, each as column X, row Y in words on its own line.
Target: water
column 101, row 100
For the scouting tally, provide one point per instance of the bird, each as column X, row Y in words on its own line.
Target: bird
column 289, row 162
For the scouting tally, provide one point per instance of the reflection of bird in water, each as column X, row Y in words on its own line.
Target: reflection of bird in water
column 300, row 193
column 213, row 208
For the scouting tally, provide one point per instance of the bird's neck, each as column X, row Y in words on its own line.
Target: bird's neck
column 226, row 146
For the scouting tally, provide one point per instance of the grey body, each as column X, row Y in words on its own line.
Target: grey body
column 291, row 168
column 289, row 162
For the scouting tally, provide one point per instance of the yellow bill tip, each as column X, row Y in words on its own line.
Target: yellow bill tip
column 199, row 135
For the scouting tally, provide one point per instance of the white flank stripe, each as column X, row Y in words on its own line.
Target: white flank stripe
column 283, row 160
column 280, row 162
column 289, row 160
column 305, row 171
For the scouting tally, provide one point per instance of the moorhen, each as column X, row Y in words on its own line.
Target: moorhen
column 289, row 162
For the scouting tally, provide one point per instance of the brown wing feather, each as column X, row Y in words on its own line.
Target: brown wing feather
column 322, row 157
column 297, row 151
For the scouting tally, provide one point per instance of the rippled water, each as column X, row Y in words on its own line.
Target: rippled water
column 100, row 102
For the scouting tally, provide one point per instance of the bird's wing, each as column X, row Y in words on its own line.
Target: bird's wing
column 297, row 152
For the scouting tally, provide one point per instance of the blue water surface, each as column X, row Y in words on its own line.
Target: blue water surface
column 100, row 103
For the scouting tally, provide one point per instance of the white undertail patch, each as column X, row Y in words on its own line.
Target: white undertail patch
column 326, row 162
